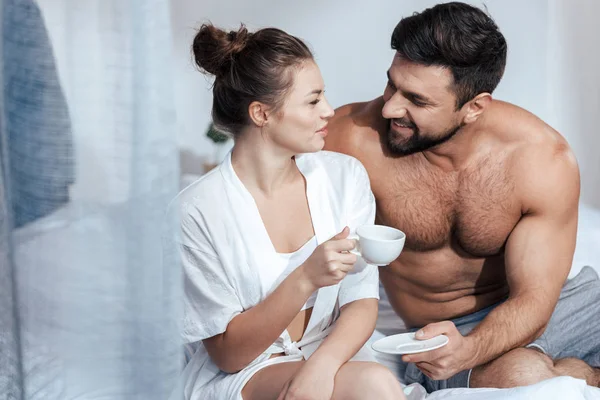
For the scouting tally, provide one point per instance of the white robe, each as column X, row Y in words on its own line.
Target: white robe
column 224, row 244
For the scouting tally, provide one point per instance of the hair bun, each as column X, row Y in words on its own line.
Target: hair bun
column 214, row 49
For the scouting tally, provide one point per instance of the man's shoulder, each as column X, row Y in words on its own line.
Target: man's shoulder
column 542, row 162
column 539, row 143
column 545, row 165
column 344, row 125
column 535, row 142
column 349, row 125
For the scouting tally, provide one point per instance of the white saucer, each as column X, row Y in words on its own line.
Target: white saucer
column 405, row 343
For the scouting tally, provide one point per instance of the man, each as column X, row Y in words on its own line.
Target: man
column 487, row 195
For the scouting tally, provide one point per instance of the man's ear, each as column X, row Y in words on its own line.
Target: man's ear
column 475, row 108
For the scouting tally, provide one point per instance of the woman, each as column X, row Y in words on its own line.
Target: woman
column 275, row 304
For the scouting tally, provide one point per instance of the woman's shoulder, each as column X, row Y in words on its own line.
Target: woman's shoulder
column 334, row 159
column 337, row 165
column 193, row 209
column 203, row 193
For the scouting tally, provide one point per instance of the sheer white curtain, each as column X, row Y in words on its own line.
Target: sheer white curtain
column 89, row 301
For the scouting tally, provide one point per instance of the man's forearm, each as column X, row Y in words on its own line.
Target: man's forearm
column 351, row 331
column 516, row 322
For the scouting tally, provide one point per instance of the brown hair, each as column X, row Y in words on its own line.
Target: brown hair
column 247, row 67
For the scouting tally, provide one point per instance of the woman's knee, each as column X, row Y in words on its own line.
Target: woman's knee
column 518, row 367
column 373, row 380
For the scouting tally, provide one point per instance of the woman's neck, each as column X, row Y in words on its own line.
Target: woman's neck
column 262, row 166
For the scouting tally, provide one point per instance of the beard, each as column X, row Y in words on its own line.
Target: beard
column 416, row 142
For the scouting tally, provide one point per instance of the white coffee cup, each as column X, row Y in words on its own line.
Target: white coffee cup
column 378, row 244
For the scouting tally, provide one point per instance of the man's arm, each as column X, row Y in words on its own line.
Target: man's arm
column 538, row 257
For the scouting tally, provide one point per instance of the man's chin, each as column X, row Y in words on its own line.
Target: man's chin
column 401, row 146
column 416, row 143
column 402, row 150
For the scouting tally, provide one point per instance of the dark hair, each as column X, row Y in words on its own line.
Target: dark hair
column 247, row 67
column 460, row 37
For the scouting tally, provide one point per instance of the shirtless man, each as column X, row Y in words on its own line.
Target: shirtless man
column 487, row 195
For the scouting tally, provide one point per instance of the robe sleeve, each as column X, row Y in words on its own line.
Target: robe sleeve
column 210, row 299
column 363, row 281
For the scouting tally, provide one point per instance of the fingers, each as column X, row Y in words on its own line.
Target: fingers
column 342, row 235
column 341, row 261
column 345, row 268
column 339, row 270
column 434, row 372
column 341, row 245
column 426, row 356
column 426, row 368
column 435, row 329
column 348, row 258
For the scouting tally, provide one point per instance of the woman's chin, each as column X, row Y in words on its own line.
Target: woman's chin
column 318, row 144
column 313, row 146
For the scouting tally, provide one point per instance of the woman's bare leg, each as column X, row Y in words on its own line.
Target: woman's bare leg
column 355, row 380
column 358, row 380
column 268, row 383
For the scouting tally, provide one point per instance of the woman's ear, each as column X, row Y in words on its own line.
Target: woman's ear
column 259, row 113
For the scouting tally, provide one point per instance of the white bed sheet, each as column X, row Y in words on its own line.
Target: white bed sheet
column 562, row 387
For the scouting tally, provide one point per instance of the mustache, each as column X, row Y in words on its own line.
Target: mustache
column 404, row 121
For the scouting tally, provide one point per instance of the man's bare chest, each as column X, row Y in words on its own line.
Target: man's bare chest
column 473, row 211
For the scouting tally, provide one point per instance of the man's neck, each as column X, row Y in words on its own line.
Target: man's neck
column 455, row 153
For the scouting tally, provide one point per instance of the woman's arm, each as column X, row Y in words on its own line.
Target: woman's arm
column 253, row 331
column 359, row 292
column 351, row 331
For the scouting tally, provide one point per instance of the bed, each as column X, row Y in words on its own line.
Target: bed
column 45, row 239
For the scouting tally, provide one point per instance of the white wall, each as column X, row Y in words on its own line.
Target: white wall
column 552, row 67
column 574, row 85
column 351, row 41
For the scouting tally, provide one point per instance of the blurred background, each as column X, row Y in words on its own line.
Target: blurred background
column 103, row 118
